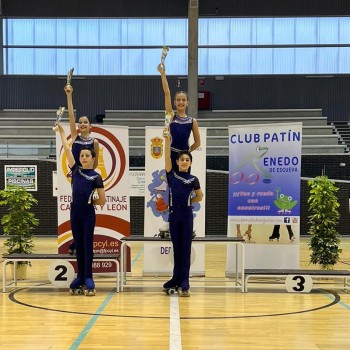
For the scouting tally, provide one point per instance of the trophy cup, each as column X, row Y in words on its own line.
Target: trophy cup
column 165, row 51
column 167, row 121
column 59, row 114
column 69, row 77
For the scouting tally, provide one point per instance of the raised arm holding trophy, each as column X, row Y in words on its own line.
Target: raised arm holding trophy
column 178, row 124
column 60, row 111
column 168, row 116
column 80, row 136
column 59, row 114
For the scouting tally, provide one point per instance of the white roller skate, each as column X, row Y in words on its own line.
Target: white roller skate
column 184, row 292
column 248, row 236
column 76, row 287
column 164, row 231
column 90, row 287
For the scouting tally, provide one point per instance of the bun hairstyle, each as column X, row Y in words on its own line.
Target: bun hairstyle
column 181, row 92
column 85, row 116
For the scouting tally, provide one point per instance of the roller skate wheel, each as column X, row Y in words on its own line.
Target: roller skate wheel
column 77, row 291
column 90, row 292
column 169, row 291
column 184, row 293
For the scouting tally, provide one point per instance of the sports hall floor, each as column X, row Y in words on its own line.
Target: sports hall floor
column 267, row 317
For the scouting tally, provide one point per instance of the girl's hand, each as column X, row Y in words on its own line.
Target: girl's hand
column 166, row 132
column 57, row 127
column 161, row 68
column 68, row 89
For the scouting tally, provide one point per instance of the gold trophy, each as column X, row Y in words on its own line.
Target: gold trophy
column 167, row 121
column 69, row 78
column 165, row 51
column 59, row 114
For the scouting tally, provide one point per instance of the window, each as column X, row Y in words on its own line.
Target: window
column 227, row 46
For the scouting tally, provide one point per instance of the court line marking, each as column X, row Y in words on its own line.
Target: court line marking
column 90, row 324
column 175, row 328
column 94, row 318
column 341, row 303
column 336, row 300
column 346, row 306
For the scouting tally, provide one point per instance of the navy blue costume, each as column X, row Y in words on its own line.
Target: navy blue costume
column 180, row 129
column 82, row 216
column 181, row 185
column 79, row 143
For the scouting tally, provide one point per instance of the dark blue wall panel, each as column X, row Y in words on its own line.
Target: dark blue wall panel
column 94, row 95
column 172, row 8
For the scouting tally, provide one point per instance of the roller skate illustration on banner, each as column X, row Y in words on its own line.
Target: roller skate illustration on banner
column 247, row 235
column 275, row 237
column 164, row 231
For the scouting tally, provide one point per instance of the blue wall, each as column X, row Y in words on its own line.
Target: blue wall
column 94, row 95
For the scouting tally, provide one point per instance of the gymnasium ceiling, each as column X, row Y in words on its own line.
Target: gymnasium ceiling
column 172, row 8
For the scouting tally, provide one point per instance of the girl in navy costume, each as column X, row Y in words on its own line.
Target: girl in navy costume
column 181, row 125
column 184, row 190
column 80, row 139
column 85, row 181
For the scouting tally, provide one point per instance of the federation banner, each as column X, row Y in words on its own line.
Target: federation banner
column 112, row 219
column 264, row 193
column 158, row 257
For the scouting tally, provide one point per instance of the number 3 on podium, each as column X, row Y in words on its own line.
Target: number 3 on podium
column 298, row 283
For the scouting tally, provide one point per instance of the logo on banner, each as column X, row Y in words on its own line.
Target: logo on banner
column 112, row 150
column 253, row 158
column 284, row 203
column 156, row 147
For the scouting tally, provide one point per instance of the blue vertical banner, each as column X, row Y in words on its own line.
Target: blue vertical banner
column 264, row 192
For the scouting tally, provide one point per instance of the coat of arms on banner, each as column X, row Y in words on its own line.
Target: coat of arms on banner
column 156, row 147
